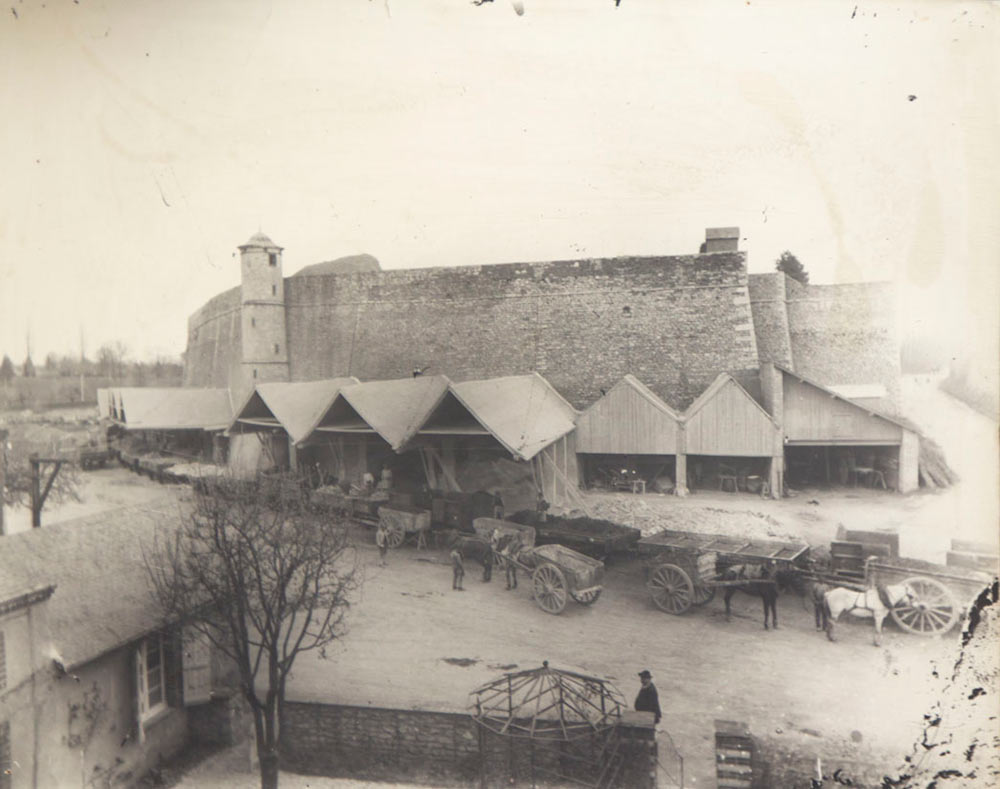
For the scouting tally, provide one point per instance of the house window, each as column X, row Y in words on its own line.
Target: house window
column 272, row 259
column 151, row 679
column 3, row 663
column 277, row 348
column 6, row 762
column 274, row 290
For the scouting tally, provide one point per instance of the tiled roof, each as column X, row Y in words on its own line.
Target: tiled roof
column 102, row 598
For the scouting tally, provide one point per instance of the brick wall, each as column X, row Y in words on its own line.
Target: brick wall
column 770, row 318
column 674, row 322
column 845, row 334
column 422, row 747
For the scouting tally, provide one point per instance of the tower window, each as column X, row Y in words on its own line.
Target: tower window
column 274, row 290
column 254, row 372
column 272, row 259
column 253, row 323
column 277, row 348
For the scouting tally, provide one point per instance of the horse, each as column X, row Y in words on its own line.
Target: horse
column 760, row 580
column 873, row 603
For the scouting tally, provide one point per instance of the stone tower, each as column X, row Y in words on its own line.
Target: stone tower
column 262, row 297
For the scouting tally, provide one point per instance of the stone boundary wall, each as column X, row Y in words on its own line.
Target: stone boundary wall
column 674, row 322
column 417, row 746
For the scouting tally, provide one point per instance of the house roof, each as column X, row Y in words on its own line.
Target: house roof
column 906, row 424
column 148, row 408
column 705, row 397
column 523, row 412
column 397, row 408
column 296, row 406
column 102, row 598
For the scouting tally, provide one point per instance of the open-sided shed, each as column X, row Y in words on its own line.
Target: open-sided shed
column 726, row 422
column 839, row 438
column 277, row 416
column 629, row 426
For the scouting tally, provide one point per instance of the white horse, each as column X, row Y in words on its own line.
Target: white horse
column 867, row 604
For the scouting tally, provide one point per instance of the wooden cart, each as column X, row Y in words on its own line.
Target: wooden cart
column 683, row 567
column 940, row 594
column 399, row 521
column 557, row 573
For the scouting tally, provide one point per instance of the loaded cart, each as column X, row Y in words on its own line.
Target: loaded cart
column 399, row 521
column 557, row 572
column 938, row 594
column 682, row 568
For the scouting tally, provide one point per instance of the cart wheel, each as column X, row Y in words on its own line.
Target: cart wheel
column 587, row 598
column 671, row 589
column 549, row 588
column 395, row 536
column 703, row 594
column 932, row 611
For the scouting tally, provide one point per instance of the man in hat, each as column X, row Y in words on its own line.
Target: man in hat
column 648, row 700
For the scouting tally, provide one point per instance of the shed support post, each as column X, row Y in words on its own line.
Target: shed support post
column 293, row 456
column 909, row 462
column 681, row 470
column 776, row 476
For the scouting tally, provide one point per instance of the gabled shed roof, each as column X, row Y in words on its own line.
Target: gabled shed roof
column 296, row 407
column 394, row 409
column 713, row 388
column 172, row 408
column 102, row 599
column 906, row 424
column 629, row 419
column 523, row 412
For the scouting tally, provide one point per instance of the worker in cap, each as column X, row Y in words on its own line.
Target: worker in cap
column 648, row 700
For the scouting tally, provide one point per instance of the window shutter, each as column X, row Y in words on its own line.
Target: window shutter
column 172, row 673
column 139, row 690
column 197, row 668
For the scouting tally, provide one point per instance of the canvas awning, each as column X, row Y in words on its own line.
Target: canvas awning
column 148, row 408
column 393, row 409
column 295, row 407
column 523, row 412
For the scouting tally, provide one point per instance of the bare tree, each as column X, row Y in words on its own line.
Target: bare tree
column 18, row 474
column 263, row 579
column 111, row 359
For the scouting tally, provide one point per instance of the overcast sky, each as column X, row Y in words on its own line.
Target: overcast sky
column 143, row 141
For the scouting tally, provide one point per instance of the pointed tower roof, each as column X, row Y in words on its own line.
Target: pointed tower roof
column 260, row 239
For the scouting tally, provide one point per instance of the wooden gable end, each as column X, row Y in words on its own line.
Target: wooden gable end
column 626, row 422
column 812, row 415
column 729, row 422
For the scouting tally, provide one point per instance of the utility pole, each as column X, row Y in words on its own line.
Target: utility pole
column 38, row 495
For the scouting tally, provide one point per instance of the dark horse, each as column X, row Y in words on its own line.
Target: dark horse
column 760, row 580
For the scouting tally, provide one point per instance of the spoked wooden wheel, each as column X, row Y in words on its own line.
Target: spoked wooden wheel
column 671, row 589
column 395, row 536
column 932, row 610
column 587, row 598
column 549, row 588
column 703, row 594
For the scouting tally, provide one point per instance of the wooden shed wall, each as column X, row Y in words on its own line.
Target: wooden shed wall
column 624, row 422
column 731, row 423
column 813, row 415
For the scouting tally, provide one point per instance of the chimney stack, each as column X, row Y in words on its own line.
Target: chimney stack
column 721, row 239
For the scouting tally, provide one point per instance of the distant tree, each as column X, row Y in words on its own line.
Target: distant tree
column 7, row 371
column 264, row 579
column 68, row 366
column 111, row 360
column 51, row 363
column 29, row 367
column 18, row 473
column 791, row 265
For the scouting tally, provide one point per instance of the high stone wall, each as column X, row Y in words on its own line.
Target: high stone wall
column 674, row 322
column 214, row 343
column 846, row 334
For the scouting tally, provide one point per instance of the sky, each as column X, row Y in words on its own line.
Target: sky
column 143, row 141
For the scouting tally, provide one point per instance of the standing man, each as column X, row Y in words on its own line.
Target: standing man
column 457, row 569
column 497, row 506
column 488, row 560
column 648, row 700
column 382, row 541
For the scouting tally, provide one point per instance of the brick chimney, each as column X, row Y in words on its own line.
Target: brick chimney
column 720, row 239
